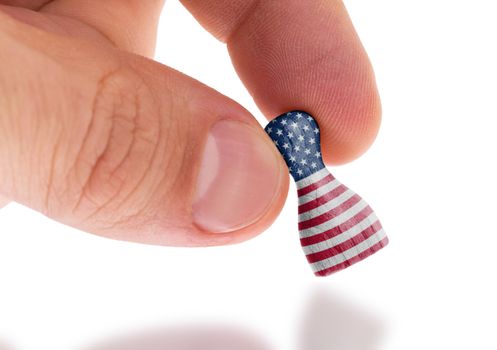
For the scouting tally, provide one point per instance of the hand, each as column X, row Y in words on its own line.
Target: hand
column 95, row 135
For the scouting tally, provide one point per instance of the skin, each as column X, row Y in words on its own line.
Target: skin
column 72, row 69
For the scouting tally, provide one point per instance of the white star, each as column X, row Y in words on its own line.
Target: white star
column 317, row 154
column 297, row 148
column 301, row 138
column 273, row 121
column 289, row 113
column 312, row 141
column 309, row 118
column 269, row 130
column 299, row 115
column 306, row 128
column 293, row 159
column 314, row 165
column 283, row 122
column 276, row 142
column 279, row 132
column 286, row 145
column 303, row 161
column 295, row 125
column 316, row 130
column 290, row 135
column 307, row 151
column 300, row 172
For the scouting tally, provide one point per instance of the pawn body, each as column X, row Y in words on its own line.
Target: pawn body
column 337, row 227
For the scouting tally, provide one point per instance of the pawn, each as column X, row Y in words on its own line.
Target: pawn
column 337, row 227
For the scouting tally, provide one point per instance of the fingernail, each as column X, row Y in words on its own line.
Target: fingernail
column 238, row 179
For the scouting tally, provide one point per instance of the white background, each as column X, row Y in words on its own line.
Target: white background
column 430, row 176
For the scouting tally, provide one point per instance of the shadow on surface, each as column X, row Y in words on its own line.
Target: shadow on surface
column 187, row 338
column 5, row 346
column 332, row 322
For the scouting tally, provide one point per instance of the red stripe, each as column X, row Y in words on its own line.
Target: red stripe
column 331, row 214
column 315, row 185
column 370, row 251
column 346, row 245
column 323, row 236
column 322, row 200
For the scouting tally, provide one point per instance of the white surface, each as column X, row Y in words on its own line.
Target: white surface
column 430, row 177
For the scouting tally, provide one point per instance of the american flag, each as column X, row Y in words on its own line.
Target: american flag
column 337, row 227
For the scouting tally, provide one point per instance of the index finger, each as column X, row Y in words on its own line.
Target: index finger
column 303, row 55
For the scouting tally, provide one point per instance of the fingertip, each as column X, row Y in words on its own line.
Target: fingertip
column 241, row 185
column 348, row 113
column 270, row 215
column 309, row 57
column 195, row 235
column 349, row 133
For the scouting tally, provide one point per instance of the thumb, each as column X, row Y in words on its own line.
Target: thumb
column 121, row 146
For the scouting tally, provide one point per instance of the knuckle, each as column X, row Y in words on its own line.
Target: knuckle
column 113, row 170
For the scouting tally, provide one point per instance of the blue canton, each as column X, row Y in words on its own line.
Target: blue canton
column 296, row 135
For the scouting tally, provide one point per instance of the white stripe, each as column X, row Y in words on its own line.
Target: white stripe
column 335, row 221
column 350, row 253
column 330, row 186
column 325, row 207
column 312, row 178
column 342, row 237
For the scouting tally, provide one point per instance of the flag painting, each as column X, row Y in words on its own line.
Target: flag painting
column 337, row 227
